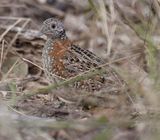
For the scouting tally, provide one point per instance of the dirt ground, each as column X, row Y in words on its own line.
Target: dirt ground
column 125, row 34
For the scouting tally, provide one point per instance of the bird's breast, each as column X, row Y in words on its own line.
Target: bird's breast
column 54, row 54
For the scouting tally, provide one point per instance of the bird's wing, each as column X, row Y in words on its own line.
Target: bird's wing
column 71, row 60
column 78, row 60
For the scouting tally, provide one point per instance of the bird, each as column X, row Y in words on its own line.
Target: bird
column 62, row 59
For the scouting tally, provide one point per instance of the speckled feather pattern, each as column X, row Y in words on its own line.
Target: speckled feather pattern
column 62, row 60
column 75, row 60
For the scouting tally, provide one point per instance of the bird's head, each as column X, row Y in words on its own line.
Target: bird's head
column 53, row 28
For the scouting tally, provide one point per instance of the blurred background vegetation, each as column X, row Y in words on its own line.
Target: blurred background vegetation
column 125, row 33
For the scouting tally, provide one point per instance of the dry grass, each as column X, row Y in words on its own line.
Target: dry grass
column 126, row 34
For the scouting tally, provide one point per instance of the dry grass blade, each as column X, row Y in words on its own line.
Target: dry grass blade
column 108, row 30
column 11, row 18
column 40, row 67
column 47, row 8
column 16, row 111
column 17, row 34
column 26, row 34
column 2, row 51
column 12, row 5
column 65, row 101
column 26, row 60
column 15, row 37
column 93, row 6
column 9, row 28
column 10, row 70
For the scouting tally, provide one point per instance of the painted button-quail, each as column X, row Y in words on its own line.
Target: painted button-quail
column 62, row 60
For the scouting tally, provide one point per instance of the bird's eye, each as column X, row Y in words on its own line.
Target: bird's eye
column 53, row 26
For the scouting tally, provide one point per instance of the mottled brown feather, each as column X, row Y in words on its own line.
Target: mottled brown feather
column 62, row 60
column 58, row 52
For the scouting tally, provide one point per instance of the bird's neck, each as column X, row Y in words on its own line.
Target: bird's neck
column 62, row 37
column 51, row 40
